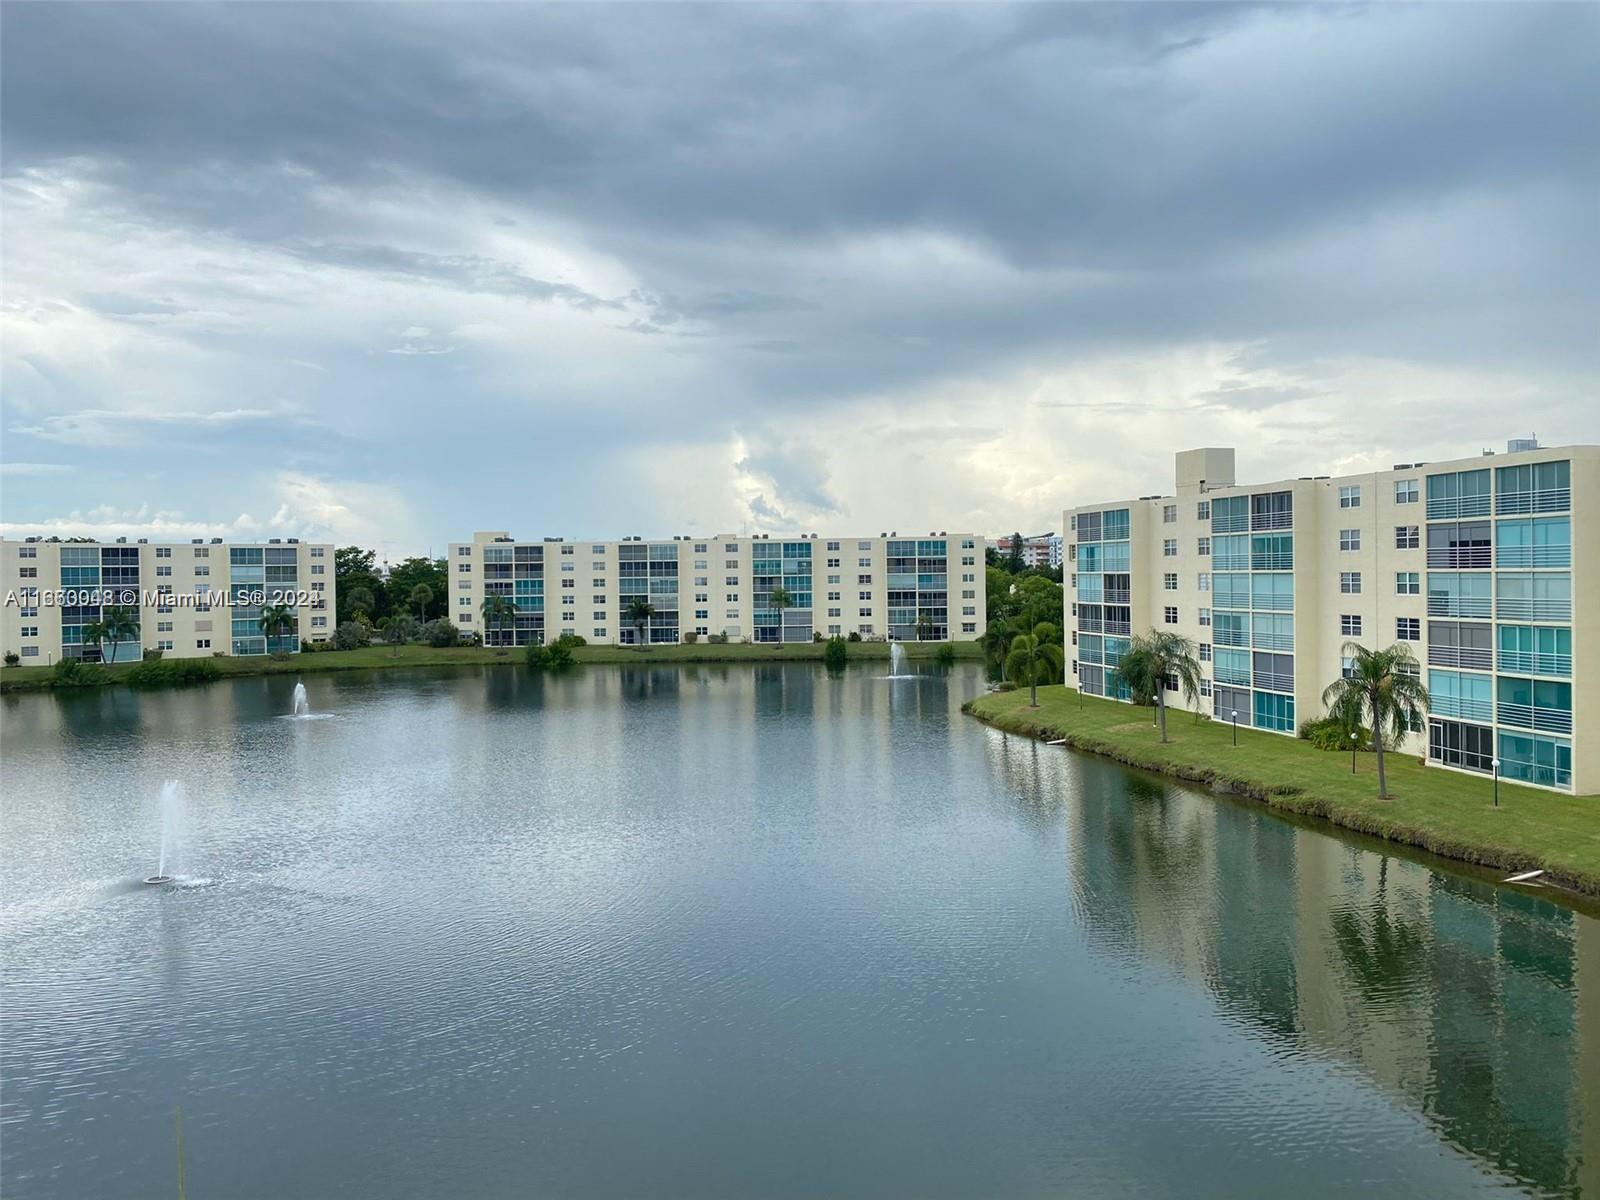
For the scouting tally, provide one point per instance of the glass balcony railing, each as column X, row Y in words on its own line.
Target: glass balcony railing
column 1472, row 657
column 1090, row 624
column 1122, row 627
column 1223, row 561
column 1282, row 519
column 1272, row 561
column 1530, row 662
column 1440, row 605
column 1456, row 557
column 1233, row 676
column 1521, row 609
column 1274, row 641
column 1530, row 556
column 1531, row 716
column 1119, row 596
column 1274, row 681
column 1446, row 508
column 1468, row 708
column 1539, row 501
column 1230, row 522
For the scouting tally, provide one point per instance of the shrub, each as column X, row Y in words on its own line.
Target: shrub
column 690, row 638
column 945, row 654
column 1006, row 685
column 175, row 672
column 69, row 672
column 834, row 654
column 852, row 636
column 280, row 656
column 351, row 635
column 557, row 656
column 12, row 658
column 816, row 635
column 439, row 633
column 151, row 654
column 574, row 640
column 718, row 639
column 1330, row 733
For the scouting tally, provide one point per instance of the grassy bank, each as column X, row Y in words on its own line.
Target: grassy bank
column 1446, row 812
column 23, row 679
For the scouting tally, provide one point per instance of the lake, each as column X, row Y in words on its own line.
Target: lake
column 729, row 932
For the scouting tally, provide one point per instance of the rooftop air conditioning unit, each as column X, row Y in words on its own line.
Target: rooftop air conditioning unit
column 122, row 541
column 1518, row 445
column 216, row 541
column 144, row 541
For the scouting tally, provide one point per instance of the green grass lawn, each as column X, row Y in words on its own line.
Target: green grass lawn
column 36, row 678
column 1447, row 812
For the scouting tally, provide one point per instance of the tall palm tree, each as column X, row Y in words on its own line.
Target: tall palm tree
column 780, row 599
column 275, row 618
column 1384, row 687
column 94, row 632
column 422, row 596
column 1153, row 659
column 361, row 602
column 1035, row 658
column 497, row 610
column 924, row 626
column 997, row 637
column 638, row 613
column 117, row 625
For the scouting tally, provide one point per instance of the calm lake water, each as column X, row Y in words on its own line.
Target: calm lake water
column 737, row 932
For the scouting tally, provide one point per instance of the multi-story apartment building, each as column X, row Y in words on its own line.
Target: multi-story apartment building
column 1476, row 563
column 189, row 599
column 1038, row 550
column 887, row 586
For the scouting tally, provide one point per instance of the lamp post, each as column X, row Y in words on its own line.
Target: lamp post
column 1235, row 718
column 1495, row 763
column 1354, row 738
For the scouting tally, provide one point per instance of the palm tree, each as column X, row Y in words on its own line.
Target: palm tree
column 638, row 613
column 94, row 633
column 398, row 629
column 997, row 639
column 361, row 602
column 275, row 618
column 1381, row 686
column 1151, row 661
column 924, row 626
column 422, row 596
column 779, row 599
column 117, row 625
column 1034, row 657
column 497, row 610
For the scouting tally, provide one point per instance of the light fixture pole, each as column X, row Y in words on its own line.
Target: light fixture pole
column 1496, row 765
column 1353, row 739
column 1236, row 727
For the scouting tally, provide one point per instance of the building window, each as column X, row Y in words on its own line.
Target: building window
column 163, row 551
column 1169, row 548
column 1202, row 546
column 463, row 551
column 29, row 572
column 202, row 552
column 1205, row 651
column 1406, row 491
column 1349, row 539
column 1202, row 510
column 1169, row 581
column 1407, row 537
column 1350, row 583
column 27, row 552
column 1350, row 625
column 1169, row 514
column 1203, row 581
column 1408, row 629
column 1407, row 583
column 1205, row 616
column 1350, row 497
column 1169, row 614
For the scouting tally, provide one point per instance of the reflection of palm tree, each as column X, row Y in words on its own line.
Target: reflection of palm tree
column 1386, row 956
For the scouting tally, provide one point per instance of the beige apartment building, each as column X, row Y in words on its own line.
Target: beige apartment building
column 1479, row 564
column 190, row 599
column 928, row 587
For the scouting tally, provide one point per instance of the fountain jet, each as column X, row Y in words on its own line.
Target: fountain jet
column 172, row 808
column 302, row 706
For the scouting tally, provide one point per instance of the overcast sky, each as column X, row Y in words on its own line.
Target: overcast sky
column 394, row 274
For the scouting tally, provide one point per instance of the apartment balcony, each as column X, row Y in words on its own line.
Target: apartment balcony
column 1125, row 628
column 1274, row 641
column 1119, row 596
column 1472, row 657
column 1460, row 558
column 1272, row 520
column 1459, row 606
column 1531, row 716
column 1230, row 524
column 1517, row 609
column 1274, row 681
column 1468, row 708
column 1230, row 637
column 1091, row 625
column 1230, row 562
column 1530, row 662
column 1233, row 676
column 1543, row 500
column 1447, row 508
column 1272, row 561
column 1533, row 556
